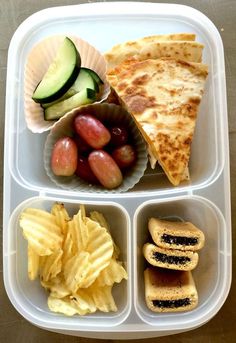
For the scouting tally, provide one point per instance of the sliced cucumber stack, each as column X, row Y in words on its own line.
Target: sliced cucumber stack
column 56, row 111
column 84, row 80
column 65, row 85
column 60, row 75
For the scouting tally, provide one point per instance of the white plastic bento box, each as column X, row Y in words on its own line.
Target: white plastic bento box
column 205, row 200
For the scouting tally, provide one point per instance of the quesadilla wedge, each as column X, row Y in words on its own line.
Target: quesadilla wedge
column 165, row 37
column 154, row 47
column 163, row 96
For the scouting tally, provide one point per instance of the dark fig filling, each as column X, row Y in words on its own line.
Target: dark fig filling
column 179, row 240
column 170, row 259
column 171, row 303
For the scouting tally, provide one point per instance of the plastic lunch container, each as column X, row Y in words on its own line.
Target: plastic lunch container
column 205, row 200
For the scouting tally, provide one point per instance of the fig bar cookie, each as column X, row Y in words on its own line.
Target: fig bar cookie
column 169, row 290
column 170, row 259
column 176, row 235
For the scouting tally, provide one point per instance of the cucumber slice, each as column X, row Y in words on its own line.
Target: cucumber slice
column 60, row 75
column 64, row 97
column 54, row 112
column 83, row 81
column 95, row 76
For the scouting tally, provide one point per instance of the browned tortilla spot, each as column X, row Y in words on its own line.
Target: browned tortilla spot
column 141, row 80
column 138, row 103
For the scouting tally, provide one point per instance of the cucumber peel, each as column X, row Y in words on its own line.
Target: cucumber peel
column 60, row 75
column 56, row 111
column 95, row 76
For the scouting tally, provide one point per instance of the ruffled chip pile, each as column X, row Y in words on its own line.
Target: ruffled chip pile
column 75, row 258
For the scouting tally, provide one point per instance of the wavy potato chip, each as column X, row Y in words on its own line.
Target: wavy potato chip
column 100, row 247
column 87, row 301
column 38, row 246
column 84, row 301
column 41, row 231
column 100, row 219
column 79, row 232
column 113, row 273
column 103, row 298
column 64, row 306
column 56, row 286
column 33, row 263
column 50, row 265
column 62, row 216
column 68, row 247
column 76, row 270
column 71, row 305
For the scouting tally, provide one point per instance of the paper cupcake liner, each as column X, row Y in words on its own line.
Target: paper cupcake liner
column 37, row 64
column 114, row 115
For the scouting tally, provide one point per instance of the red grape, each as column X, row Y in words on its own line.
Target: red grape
column 119, row 136
column 84, row 171
column 82, row 145
column 124, row 156
column 64, row 157
column 92, row 130
column 105, row 169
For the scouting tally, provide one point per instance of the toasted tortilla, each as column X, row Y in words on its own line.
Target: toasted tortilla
column 163, row 96
column 171, row 36
column 156, row 47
